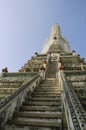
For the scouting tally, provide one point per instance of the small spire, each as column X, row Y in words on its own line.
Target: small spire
column 55, row 31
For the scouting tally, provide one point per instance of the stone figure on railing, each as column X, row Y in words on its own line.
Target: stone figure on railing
column 73, row 53
column 60, row 67
column 5, row 70
column 42, row 70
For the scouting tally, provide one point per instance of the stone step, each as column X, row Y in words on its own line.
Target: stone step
column 49, row 81
column 44, row 99
column 47, row 90
column 40, row 108
column 53, row 88
column 47, row 85
column 35, row 122
column 42, row 103
column 48, row 93
column 52, row 67
column 31, row 114
column 52, row 64
column 51, row 74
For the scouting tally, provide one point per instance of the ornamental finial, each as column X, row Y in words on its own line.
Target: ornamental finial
column 55, row 31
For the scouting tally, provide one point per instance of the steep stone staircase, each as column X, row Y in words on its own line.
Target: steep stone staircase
column 52, row 69
column 42, row 109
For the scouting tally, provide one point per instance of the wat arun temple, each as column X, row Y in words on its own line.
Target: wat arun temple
column 49, row 90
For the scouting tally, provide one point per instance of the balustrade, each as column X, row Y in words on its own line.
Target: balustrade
column 76, row 110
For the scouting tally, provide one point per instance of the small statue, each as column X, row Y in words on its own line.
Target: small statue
column 5, row 70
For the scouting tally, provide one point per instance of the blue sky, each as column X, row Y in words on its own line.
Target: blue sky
column 25, row 25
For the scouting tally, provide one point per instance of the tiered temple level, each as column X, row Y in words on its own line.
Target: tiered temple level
column 34, row 64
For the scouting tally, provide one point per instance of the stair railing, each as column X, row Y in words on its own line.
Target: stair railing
column 75, row 114
column 14, row 101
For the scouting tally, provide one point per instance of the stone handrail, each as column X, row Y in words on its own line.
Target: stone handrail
column 69, row 72
column 18, row 74
column 14, row 101
column 74, row 109
column 3, row 103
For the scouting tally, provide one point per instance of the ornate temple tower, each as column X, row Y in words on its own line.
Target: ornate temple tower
column 56, row 39
column 48, row 92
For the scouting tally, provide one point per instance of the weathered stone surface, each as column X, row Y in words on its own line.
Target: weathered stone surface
column 56, row 38
column 39, row 110
column 57, row 102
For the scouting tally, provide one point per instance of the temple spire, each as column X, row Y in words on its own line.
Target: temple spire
column 56, row 38
column 55, row 30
